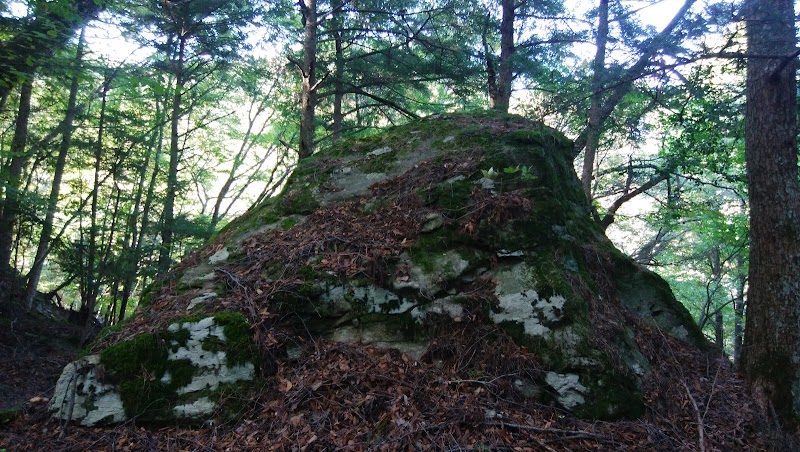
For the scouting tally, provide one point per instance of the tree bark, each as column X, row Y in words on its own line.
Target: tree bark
column 500, row 83
column 338, row 75
column 771, row 356
column 168, row 215
column 43, row 249
column 308, row 98
column 137, row 238
column 738, row 312
column 11, row 203
column 595, row 125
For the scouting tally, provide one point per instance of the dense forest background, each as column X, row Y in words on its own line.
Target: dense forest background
column 132, row 131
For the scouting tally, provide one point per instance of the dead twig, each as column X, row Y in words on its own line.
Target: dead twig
column 572, row 433
column 700, row 428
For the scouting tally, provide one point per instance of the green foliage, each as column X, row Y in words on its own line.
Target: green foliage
column 699, row 240
column 524, row 172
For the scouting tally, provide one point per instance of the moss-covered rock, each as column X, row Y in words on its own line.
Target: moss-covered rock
column 170, row 374
column 387, row 240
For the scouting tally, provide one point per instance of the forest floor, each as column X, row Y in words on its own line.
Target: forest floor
column 709, row 409
column 33, row 351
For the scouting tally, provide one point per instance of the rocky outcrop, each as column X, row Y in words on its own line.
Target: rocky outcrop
column 475, row 221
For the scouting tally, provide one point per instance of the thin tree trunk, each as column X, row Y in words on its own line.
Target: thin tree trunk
column 771, row 355
column 594, row 127
column 11, row 203
column 633, row 73
column 138, row 239
column 338, row 83
column 97, row 253
column 92, row 269
column 52, row 205
column 500, row 97
column 719, row 329
column 256, row 109
column 308, row 98
column 168, row 226
column 738, row 319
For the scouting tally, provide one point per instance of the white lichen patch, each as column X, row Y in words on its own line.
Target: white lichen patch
column 82, row 397
column 219, row 257
column 680, row 332
column 349, row 184
column 439, row 306
column 212, row 365
column 379, row 335
column 380, row 151
column 517, row 302
column 510, row 253
column 201, row 299
column 198, row 276
column 433, row 221
column 200, row 407
column 444, row 267
column 570, row 391
column 380, row 300
column 529, row 309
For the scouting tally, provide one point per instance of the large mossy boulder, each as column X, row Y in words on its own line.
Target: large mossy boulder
column 468, row 222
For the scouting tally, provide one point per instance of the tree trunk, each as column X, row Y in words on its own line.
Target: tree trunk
column 308, row 98
column 595, row 125
column 11, row 203
column 168, row 215
column 719, row 329
column 137, row 239
column 338, row 87
column 55, row 190
column 738, row 319
column 771, row 360
column 500, row 83
column 95, row 270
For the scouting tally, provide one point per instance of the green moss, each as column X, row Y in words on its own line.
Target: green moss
column 612, row 396
column 542, row 137
column 236, row 399
column 9, row 414
column 146, row 298
column 151, row 397
column 428, row 247
column 382, row 163
column 137, row 366
column 264, row 214
column 239, row 347
column 300, row 201
column 102, row 335
column 451, row 197
column 288, row 223
column 407, row 326
column 178, row 339
column 144, row 353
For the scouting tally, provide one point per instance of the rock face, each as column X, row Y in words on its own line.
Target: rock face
column 387, row 241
